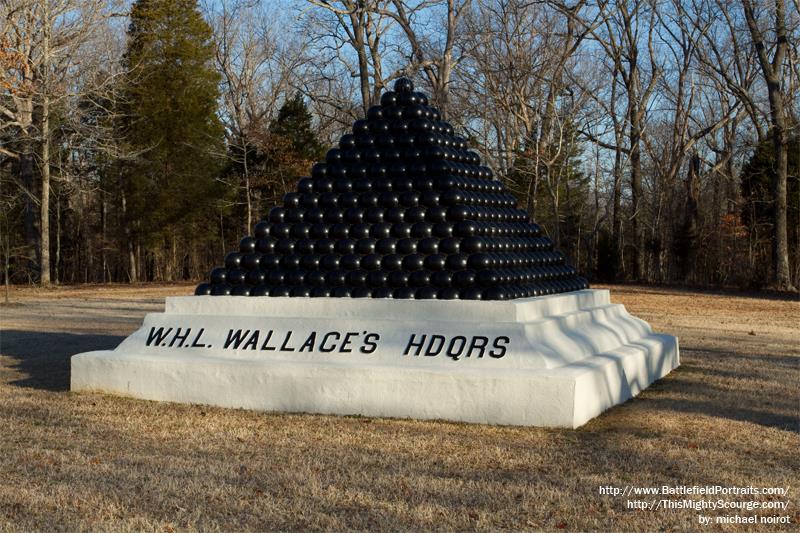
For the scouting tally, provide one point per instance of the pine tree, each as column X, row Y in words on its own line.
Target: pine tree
column 170, row 121
column 293, row 123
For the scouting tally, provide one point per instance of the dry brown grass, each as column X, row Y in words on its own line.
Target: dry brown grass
column 728, row 416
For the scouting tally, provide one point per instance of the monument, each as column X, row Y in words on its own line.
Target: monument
column 400, row 279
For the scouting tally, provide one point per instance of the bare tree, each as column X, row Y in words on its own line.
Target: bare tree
column 44, row 40
column 773, row 70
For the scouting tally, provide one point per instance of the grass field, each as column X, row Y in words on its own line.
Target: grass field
column 730, row 415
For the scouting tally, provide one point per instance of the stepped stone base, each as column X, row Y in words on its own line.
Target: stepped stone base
column 549, row 361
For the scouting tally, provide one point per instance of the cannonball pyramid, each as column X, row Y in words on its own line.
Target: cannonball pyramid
column 401, row 209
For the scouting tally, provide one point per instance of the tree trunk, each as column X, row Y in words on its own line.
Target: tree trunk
column 44, row 208
column 636, row 189
column 692, row 217
column 616, row 219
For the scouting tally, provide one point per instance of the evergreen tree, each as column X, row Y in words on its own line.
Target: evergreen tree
column 293, row 124
column 756, row 185
column 170, row 121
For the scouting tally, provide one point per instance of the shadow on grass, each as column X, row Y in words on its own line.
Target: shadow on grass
column 43, row 357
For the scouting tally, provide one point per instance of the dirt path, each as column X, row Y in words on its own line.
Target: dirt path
column 728, row 416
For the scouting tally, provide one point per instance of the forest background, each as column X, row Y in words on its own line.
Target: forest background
column 655, row 141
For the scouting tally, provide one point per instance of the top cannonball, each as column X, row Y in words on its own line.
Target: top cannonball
column 403, row 85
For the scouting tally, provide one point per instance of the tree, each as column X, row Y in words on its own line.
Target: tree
column 757, row 179
column 773, row 72
column 170, row 116
column 40, row 59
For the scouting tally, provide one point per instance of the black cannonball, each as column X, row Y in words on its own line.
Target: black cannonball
column 233, row 260
column 302, row 291
column 336, row 278
column 448, row 245
column 301, row 230
column 334, row 156
column 385, row 246
column 305, row 185
column 399, row 278
column 371, row 156
column 251, row 261
column 487, row 278
column 448, row 293
column 407, row 246
column 426, row 293
column 368, row 199
column 365, row 246
column 316, row 277
column 382, row 292
column 371, row 262
column 401, row 230
column 296, row 276
column 419, row 123
column 389, row 98
column 320, row 292
column 319, row 171
column 424, row 183
column 223, row 289
column 357, row 278
column 437, row 213
column 428, row 245
column 324, row 246
column 495, row 293
column 403, row 85
column 295, row 214
column 361, row 292
column 407, row 99
column 276, row 277
column 415, row 214
column 420, row 278
column 421, row 98
column 394, row 215
column 375, row 113
column 361, row 126
column 442, row 278
column 392, row 113
column 269, row 261
column 342, row 292
column 260, row 290
column 319, row 230
column 354, row 215
column 380, row 126
column 374, row 214
column 465, row 228
column 381, row 231
column 247, row 245
column 404, row 293
column 360, row 231
column 261, row 230
column 310, row 261
column 414, row 113
column 457, row 261
column 471, row 293
column 277, row 215
column 392, row 262
column 421, row 230
column 436, row 262
column 443, row 229
column 414, row 262
column 458, row 213
column 464, row 278
column 236, row 276
column 291, row 261
column 315, row 215
column 346, row 246
column 350, row 261
column 204, row 289
column 364, row 141
column 347, row 141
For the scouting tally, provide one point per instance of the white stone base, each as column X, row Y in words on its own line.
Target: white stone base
column 550, row 361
